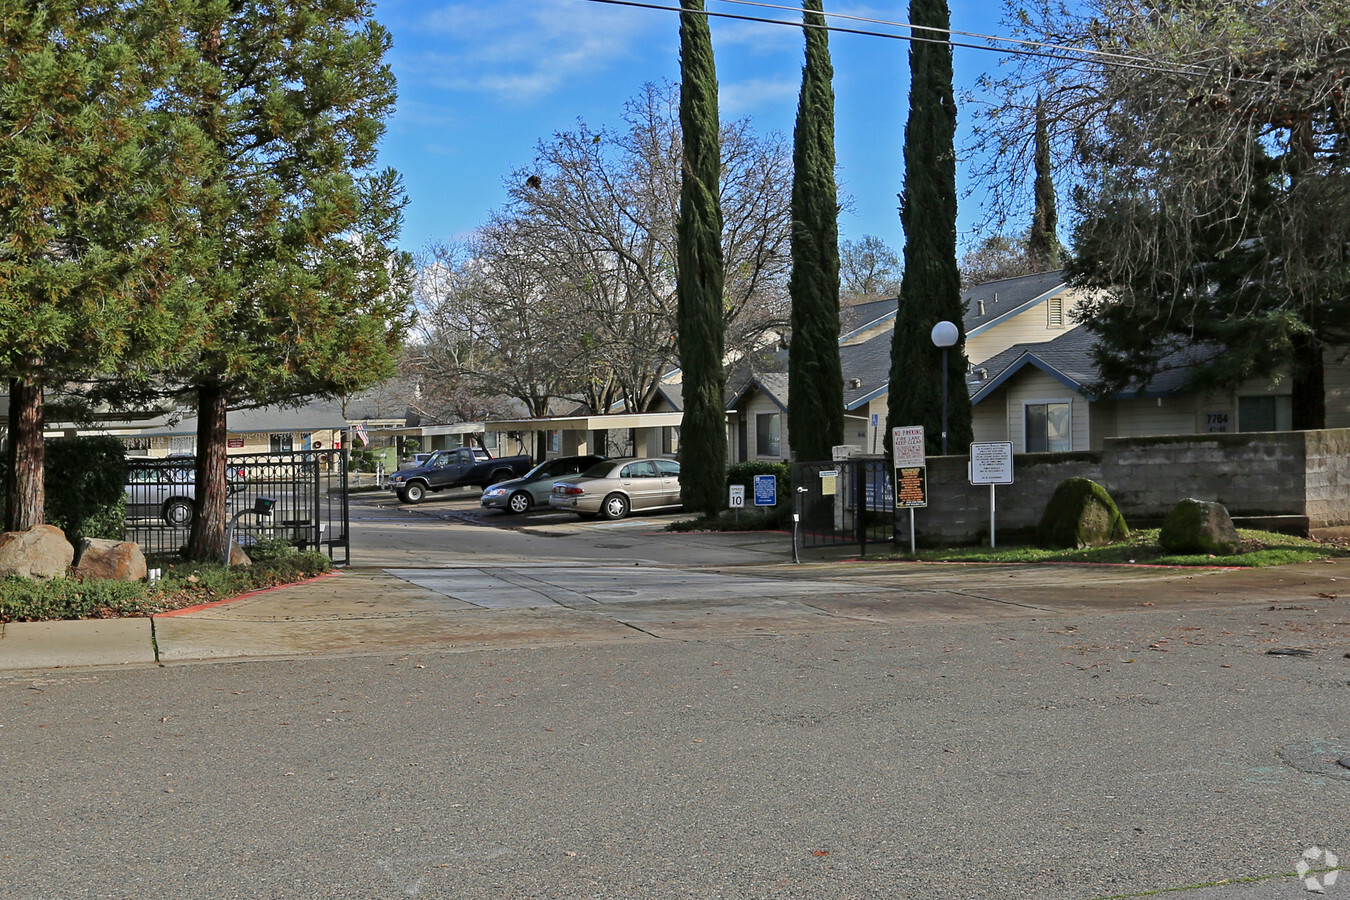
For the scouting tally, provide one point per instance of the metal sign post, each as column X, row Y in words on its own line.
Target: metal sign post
column 737, row 499
column 991, row 463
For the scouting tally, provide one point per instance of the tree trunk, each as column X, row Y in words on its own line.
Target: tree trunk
column 24, row 494
column 207, row 543
column 1309, row 399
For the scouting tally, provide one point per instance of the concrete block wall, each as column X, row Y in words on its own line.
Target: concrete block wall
column 1327, row 478
column 1294, row 473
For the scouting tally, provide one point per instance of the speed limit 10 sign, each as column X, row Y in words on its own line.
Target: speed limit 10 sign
column 737, row 499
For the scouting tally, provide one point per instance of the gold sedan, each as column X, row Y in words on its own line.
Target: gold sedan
column 614, row 488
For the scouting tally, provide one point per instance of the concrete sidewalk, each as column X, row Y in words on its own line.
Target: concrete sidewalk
column 380, row 610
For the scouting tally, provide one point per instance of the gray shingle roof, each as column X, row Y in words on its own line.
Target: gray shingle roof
column 1068, row 358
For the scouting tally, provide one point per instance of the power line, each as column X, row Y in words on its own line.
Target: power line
column 1061, row 52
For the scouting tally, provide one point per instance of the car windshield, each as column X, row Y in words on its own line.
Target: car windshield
column 544, row 469
column 599, row 470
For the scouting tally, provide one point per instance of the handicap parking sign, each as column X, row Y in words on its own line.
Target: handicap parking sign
column 766, row 490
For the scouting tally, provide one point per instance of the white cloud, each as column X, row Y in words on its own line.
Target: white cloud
column 523, row 50
column 741, row 98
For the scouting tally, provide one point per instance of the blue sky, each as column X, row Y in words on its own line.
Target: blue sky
column 482, row 81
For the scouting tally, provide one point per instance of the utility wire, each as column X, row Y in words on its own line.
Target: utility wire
column 1058, row 52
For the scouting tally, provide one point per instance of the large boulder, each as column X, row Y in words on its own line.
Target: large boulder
column 1080, row 514
column 1199, row 526
column 40, row 552
column 111, row 560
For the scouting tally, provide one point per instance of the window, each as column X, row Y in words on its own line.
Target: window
column 768, row 434
column 1048, row 428
column 670, row 440
column 638, row 470
column 1268, row 413
column 491, row 440
column 280, row 443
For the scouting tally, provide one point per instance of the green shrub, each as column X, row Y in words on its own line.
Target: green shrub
column 1080, row 513
column 269, row 549
column 35, row 599
column 744, row 473
column 85, row 482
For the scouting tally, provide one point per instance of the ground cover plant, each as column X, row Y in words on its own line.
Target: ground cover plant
column 181, row 584
column 1259, row 549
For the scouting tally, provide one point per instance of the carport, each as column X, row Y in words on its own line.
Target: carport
column 649, row 434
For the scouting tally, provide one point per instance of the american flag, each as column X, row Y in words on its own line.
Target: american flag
column 362, row 434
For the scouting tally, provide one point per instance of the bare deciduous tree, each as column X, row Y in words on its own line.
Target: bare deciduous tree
column 569, row 290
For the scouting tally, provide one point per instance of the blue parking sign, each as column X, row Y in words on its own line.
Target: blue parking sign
column 766, row 490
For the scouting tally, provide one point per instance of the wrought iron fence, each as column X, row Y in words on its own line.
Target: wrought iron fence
column 843, row 502
column 308, row 489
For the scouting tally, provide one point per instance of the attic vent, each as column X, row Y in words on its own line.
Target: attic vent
column 981, row 374
column 995, row 296
column 854, row 384
column 980, row 306
column 1055, row 312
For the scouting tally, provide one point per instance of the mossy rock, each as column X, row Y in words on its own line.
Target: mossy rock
column 1080, row 514
column 1199, row 526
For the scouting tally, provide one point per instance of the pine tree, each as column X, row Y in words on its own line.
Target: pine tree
column 310, row 296
column 703, row 433
column 815, row 377
column 1043, row 241
column 95, row 208
column 930, row 291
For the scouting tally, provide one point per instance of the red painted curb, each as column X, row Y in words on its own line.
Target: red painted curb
column 200, row 606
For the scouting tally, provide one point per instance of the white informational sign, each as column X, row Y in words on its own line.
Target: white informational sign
column 991, row 463
column 907, row 446
column 737, row 498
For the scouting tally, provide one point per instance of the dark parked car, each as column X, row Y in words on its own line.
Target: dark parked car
column 460, row 467
column 530, row 490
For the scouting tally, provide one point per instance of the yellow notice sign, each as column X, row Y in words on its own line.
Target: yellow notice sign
column 829, row 481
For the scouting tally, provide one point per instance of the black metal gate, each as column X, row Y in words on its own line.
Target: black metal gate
column 308, row 490
column 843, row 502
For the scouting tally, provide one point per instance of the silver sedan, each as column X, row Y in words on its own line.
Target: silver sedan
column 614, row 488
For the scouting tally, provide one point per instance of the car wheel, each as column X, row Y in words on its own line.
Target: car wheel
column 614, row 507
column 413, row 493
column 519, row 502
column 178, row 512
column 499, row 476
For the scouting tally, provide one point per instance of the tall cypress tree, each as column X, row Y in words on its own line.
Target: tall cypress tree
column 930, row 290
column 1043, row 241
column 703, row 434
column 815, row 377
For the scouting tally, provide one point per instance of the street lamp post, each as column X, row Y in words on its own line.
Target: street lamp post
column 944, row 335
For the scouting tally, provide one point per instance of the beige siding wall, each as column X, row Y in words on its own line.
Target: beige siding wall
column 989, row 420
column 1337, row 374
column 753, row 406
column 1030, row 326
column 1037, row 387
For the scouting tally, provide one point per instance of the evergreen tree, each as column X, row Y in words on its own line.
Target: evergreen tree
column 1043, row 240
column 98, row 181
column 310, row 297
column 930, row 290
column 703, row 434
column 815, row 377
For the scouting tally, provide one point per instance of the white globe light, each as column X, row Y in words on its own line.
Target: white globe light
column 945, row 334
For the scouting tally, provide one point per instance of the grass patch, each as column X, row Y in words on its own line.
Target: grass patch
column 1259, row 549
column 182, row 585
